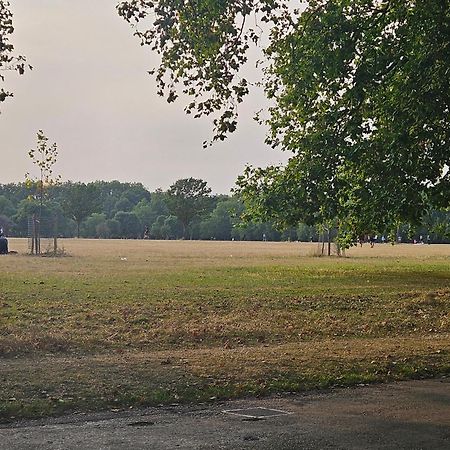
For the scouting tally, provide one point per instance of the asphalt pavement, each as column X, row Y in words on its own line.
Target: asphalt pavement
column 405, row 415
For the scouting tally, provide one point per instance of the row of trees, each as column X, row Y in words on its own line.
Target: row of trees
column 101, row 209
column 187, row 210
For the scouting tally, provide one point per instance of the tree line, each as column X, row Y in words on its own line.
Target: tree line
column 187, row 210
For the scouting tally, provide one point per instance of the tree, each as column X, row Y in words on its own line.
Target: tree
column 203, row 45
column 91, row 226
column 113, row 228
column 44, row 157
column 149, row 211
column 157, row 229
column 135, row 192
column 6, row 206
column 359, row 92
column 7, row 59
column 437, row 224
column 111, row 192
column 31, row 207
column 218, row 224
column 7, row 211
column 6, row 224
column 14, row 191
column 187, row 199
column 171, row 228
column 130, row 226
column 366, row 111
column 167, row 227
column 80, row 201
column 123, row 204
column 223, row 219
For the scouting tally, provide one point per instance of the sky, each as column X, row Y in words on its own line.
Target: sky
column 89, row 91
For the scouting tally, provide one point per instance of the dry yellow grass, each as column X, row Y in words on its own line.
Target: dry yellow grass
column 123, row 322
column 210, row 250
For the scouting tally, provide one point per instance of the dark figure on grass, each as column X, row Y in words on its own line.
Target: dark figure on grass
column 3, row 243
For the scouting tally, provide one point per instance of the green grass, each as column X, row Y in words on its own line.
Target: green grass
column 182, row 321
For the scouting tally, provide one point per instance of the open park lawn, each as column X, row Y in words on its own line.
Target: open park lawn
column 119, row 324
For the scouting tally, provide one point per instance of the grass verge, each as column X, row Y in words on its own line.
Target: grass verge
column 196, row 322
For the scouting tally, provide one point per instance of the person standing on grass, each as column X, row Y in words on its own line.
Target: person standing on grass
column 3, row 243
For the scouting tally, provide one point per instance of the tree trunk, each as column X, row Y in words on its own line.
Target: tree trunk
column 329, row 242
column 55, row 236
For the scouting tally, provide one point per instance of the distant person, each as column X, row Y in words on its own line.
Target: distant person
column 3, row 243
column 264, row 237
column 372, row 240
column 146, row 233
column 383, row 239
column 428, row 239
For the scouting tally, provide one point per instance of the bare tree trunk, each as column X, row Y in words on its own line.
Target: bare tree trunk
column 55, row 236
column 33, row 235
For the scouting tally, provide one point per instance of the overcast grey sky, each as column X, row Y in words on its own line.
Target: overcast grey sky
column 90, row 92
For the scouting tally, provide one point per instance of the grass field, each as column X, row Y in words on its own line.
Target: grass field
column 119, row 324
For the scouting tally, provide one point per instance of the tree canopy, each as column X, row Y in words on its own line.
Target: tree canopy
column 203, row 45
column 8, row 60
column 189, row 198
column 359, row 93
column 80, row 201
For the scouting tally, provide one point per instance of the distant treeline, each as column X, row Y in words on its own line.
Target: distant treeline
column 112, row 209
